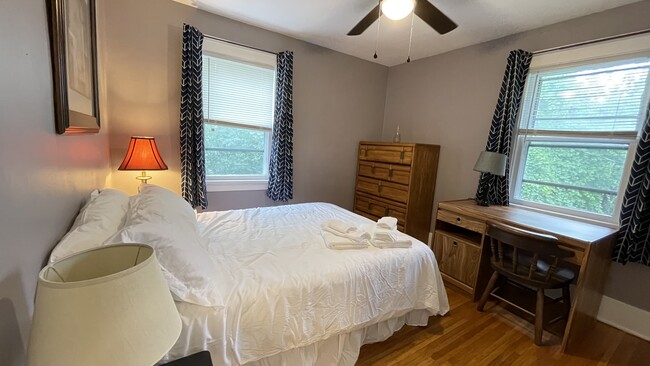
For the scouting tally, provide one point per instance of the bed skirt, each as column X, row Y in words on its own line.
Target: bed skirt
column 338, row 350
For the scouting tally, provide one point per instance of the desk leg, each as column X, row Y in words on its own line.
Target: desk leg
column 588, row 292
column 484, row 271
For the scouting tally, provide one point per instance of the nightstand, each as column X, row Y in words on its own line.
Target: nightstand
column 197, row 359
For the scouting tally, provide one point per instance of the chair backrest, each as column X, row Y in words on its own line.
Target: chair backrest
column 517, row 252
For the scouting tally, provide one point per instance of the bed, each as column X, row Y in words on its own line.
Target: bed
column 278, row 296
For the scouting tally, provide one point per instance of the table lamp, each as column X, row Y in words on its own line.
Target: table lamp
column 489, row 162
column 103, row 307
column 142, row 155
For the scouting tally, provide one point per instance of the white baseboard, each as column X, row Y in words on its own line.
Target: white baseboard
column 625, row 317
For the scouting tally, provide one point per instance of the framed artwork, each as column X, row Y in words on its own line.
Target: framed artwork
column 73, row 45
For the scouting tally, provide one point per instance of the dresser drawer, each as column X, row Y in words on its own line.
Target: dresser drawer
column 462, row 221
column 457, row 258
column 372, row 217
column 379, row 208
column 392, row 191
column 386, row 154
column 392, row 173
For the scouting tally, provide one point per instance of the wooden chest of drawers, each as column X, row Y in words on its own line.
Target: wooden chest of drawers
column 399, row 180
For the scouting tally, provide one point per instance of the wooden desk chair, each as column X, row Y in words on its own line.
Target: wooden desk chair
column 530, row 259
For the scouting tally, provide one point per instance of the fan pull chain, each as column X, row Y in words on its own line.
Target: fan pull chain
column 378, row 26
column 408, row 59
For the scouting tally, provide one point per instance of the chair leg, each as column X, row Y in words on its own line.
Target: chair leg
column 539, row 317
column 488, row 290
column 566, row 299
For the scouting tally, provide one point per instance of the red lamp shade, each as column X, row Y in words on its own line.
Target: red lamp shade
column 142, row 155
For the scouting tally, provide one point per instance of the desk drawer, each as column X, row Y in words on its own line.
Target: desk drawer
column 462, row 221
column 392, row 173
column 457, row 258
column 578, row 255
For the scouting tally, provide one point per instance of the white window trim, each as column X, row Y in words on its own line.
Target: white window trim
column 554, row 212
column 229, row 183
column 618, row 49
column 614, row 49
column 236, row 185
column 231, row 180
column 519, row 163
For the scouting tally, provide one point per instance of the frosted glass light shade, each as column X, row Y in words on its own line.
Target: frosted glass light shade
column 491, row 162
column 397, row 9
column 105, row 306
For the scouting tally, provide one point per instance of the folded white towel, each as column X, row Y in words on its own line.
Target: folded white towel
column 382, row 238
column 339, row 226
column 396, row 244
column 387, row 222
column 336, row 242
column 386, row 235
column 355, row 236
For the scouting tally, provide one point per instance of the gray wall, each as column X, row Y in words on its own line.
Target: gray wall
column 44, row 177
column 338, row 99
column 449, row 99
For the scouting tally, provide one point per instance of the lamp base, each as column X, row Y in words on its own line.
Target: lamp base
column 483, row 203
column 143, row 178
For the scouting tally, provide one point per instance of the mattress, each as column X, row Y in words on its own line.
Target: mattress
column 286, row 294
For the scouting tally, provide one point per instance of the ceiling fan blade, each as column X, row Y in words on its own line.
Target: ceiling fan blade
column 365, row 22
column 434, row 17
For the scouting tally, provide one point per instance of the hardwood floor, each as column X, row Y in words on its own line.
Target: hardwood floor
column 497, row 337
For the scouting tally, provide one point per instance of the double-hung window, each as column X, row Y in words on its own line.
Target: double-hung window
column 577, row 134
column 238, row 104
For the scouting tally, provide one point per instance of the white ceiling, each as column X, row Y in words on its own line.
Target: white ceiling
column 326, row 22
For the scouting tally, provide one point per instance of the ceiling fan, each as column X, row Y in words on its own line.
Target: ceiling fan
column 399, row 9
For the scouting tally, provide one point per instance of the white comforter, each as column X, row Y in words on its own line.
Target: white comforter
column 283, row 289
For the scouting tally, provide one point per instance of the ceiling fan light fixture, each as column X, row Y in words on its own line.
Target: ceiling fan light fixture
column 397, row 9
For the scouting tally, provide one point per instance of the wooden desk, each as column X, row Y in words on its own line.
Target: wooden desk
column 464, row 260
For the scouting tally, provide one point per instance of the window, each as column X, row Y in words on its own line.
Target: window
column 238, row 104
column 577, row 134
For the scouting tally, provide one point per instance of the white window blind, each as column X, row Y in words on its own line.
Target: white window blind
column 235, row 89
column 238, row 104
column 608, row 97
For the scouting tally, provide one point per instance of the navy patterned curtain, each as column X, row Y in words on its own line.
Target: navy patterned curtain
column 633, row 236
column 492, row 189
column 193, row 185
column 281, row 166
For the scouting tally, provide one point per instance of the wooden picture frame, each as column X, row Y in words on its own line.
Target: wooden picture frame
column 73, row 47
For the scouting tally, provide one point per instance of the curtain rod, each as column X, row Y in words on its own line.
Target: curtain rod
column 239, row 44
column 624, row 35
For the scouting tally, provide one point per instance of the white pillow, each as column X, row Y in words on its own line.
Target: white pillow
column 164, row 220
column 157, row 204
column 190, row 272
column 100, row 218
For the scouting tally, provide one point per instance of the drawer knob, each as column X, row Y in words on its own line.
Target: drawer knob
column 455, row 243
column 458, row 219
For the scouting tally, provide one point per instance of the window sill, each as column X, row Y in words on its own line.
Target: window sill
column 237, row 185
column 588, row 220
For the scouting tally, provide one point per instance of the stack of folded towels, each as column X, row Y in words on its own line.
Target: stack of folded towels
column 339, row 235
column 385, row 235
